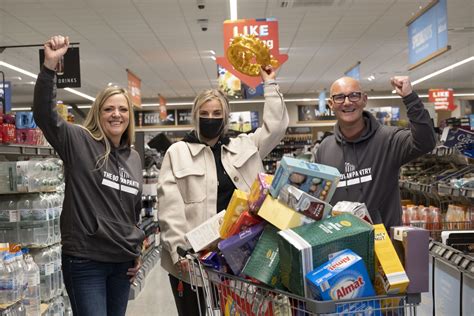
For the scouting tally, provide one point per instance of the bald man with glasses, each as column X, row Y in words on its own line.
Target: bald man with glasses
column 369, row 155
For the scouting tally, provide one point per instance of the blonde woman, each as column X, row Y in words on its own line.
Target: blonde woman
column 200, row 173
column 101, row 242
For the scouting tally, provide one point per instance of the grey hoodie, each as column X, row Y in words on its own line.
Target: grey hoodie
column 101, row 206
column 370, row 165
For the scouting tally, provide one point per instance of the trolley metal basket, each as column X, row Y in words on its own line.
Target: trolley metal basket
column 226, row 294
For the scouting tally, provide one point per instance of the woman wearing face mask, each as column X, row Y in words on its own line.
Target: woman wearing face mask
column 200, row 173
column 100, row 239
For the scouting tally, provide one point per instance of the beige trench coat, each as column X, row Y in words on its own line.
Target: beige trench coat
column 187, row 184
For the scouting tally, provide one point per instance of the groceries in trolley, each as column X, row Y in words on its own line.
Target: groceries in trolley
column 238, row 248
column 244, row 221
column 264, row 262
column 354, row 208
column 412, row 247
column 237, row 205
column 259, row 191
column 303, row 202
column 205, row 234
column 317, row 180
column 308, row 246
column 390, row 277
column 281, row 215
column 343, row 277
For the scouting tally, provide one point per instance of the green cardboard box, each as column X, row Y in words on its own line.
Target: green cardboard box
column 311, row 245
column 264, row 263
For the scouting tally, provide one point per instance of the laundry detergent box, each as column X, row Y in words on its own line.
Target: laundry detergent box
column 306, row 247
column 258, row 191
column 343, row 277
column 390, row 276
column 317, row 180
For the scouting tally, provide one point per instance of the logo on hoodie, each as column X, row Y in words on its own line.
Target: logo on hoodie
column 121, row 182
column 353, row 176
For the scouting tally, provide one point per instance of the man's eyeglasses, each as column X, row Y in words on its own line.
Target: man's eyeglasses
column 353, row 97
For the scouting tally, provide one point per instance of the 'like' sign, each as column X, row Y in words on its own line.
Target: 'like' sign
column 265, row 29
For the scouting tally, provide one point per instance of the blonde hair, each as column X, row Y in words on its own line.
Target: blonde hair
column 92, row 122
column 206, row 96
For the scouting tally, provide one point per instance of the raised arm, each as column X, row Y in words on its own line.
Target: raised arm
column 420, row 138
column 44, row 102
column 275, row 115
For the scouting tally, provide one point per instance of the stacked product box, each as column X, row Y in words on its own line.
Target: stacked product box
column 344, row 277
column 317, row 180
column 303, row 248
column 412, row 247
column 390, row 277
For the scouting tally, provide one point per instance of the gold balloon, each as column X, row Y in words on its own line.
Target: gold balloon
column 247, row 53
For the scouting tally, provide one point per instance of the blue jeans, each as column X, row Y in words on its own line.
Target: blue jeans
column 96, row 288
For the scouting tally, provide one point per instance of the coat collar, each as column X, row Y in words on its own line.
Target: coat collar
column 196, row 148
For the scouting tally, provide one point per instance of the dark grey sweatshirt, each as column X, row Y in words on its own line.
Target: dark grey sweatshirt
column 370, row 165
column 101, row 206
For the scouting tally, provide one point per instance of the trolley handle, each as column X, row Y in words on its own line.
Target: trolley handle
column 187, row 253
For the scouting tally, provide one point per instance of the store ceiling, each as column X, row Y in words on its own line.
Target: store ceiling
column 162, row 42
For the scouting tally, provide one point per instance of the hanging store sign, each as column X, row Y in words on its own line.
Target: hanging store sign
column 68, row 70
column 460, row 139
column 134, row 88
column 5, row 97
column 184, row 117
column 443, row 99
column 265, row 29
column 354, row 72
column 153, row 119
column 428, row 34
column 163, row 112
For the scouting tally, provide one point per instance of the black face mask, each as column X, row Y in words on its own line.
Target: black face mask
column 210, row 127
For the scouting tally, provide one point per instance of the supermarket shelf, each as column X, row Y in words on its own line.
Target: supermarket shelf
column 149, row 261
column 25, row 150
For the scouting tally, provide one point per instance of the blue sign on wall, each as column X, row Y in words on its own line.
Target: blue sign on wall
column 6, row 96
column 322, row 102
column 354, row 72
column 428, row 33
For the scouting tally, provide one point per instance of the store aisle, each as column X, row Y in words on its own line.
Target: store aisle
column 156, row 298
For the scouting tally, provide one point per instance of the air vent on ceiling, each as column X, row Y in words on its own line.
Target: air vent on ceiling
column 310, row 3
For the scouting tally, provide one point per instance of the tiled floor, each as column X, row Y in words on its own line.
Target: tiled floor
column 156, row 298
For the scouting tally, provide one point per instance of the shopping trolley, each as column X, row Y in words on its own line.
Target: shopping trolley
column 229, row 295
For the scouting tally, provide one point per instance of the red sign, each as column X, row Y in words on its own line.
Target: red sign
column 443, row 99
column 163, row 112
column 267, row 32
column 134, row 89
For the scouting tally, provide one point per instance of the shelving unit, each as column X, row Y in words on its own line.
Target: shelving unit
column 25, row 150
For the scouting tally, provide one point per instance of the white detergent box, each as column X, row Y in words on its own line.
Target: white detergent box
column 315, row 179
column 343, row 277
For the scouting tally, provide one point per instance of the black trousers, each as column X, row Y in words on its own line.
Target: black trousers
column 188, row 304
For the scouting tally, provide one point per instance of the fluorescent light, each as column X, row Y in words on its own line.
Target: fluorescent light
column 21, row 109
column 213, row 57
column 439, row 72
column 85, row 96
column 32, row 75
column 20, row 70
column 84, row 106
column 212, row 52
column 233, row 9
column 464, row 94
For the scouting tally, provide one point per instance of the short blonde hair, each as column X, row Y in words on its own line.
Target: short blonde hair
column 92, row 121
column 206, row 96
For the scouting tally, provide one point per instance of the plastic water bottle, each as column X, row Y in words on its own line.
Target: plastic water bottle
column 9, row 217
column 4, row 281
column 19, row 264
column 43, row 260
column 11, row 281
column 32, row 298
